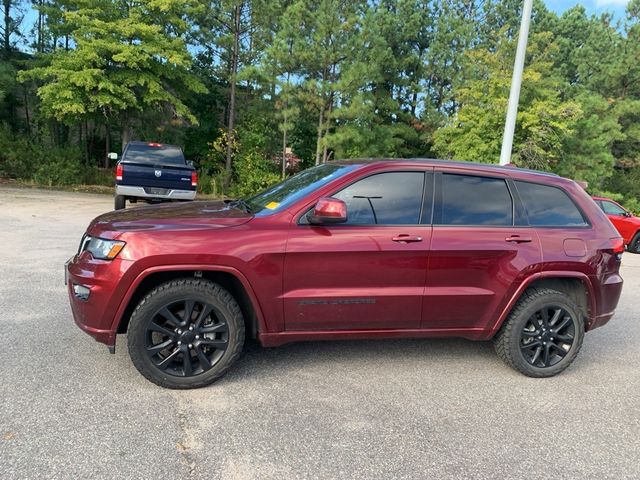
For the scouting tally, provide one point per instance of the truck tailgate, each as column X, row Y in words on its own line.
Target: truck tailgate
column 175, row 177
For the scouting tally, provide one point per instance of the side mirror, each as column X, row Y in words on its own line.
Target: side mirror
column 112, row 156
column 190, row 163
column 328, row 210
column 628, row 213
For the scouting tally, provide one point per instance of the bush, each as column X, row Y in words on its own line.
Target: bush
column 252, row 174
column 18, row 158
column 63, row 168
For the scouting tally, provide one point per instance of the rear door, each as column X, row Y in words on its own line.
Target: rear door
column 368, row 273
column 481, row 249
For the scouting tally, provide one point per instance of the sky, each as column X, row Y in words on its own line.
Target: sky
column 617, row 7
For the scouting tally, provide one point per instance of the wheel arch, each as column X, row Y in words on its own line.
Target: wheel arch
column 229, row 278
column 575, row 284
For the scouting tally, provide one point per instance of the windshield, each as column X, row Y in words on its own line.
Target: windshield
column 296, row 187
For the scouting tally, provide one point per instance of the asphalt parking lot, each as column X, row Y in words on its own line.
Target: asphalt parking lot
column 345, row 410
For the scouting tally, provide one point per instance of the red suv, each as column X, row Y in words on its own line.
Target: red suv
column 350, row 250
column 627, row 225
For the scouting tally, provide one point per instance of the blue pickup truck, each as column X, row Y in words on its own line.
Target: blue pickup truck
column 154, row 172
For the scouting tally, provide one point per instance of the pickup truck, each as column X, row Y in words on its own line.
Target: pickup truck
column 154, row 172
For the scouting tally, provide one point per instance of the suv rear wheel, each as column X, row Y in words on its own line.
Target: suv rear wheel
column 542, row 335
column 185, row 333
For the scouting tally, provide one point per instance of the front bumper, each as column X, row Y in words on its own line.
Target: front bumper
column 167, row 194
column 95, row 315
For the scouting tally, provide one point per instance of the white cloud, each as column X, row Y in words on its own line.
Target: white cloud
column 611, row 3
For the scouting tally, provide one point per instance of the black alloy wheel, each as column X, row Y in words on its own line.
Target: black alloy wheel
column 186, row 333
column 186, row 338
column 547, row 336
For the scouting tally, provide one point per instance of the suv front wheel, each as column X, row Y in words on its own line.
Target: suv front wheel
column 186, row 333
column 542, row 335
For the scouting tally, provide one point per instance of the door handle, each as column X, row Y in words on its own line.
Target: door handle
column 518, row 239
column 405, row 238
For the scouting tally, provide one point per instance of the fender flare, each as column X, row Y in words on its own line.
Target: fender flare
column 124, row 303
column 584, row 279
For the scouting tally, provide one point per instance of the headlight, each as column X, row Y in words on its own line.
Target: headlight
column 101, row 248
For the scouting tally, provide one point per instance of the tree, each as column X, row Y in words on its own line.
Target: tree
column 544, row 119
column 127, row 57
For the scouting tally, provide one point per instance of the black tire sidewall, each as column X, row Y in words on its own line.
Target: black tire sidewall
column 634, row 246
column 176, row 291
column 120, row 202
column 533, row 305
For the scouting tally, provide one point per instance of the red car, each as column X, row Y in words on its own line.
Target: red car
column 627, row 225
column 354, row 249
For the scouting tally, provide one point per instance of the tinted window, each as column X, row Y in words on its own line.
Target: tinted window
column 612, row 209
column 393, row 198
column 549, row 206
column 469, row 200
column 154, row 153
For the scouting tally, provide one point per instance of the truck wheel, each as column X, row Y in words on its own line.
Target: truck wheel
column 634, row 246
column 120, row 202
column 542, row 335
column 185, row 333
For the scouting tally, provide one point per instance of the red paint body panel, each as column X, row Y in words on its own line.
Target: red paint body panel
column 345, row 281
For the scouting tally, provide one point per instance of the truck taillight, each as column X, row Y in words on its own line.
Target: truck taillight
column 194, row 179
column 119, row 172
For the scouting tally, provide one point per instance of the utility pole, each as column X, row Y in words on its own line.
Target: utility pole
column 516, row 82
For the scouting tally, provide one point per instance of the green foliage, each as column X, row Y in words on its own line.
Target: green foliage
column 128, row 57
column 544, row 120
column 626, row 185
column 64, row 167
column 253, row 173
column 329, row 79
column 18, row 157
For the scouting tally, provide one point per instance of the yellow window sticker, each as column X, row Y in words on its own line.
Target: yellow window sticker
column 272, row 205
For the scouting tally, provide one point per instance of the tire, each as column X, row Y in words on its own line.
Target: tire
column 120, row 202
column 528, row 340
column 167, row 352
column 634, row 246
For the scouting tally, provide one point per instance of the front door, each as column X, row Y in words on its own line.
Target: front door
column 370, row 272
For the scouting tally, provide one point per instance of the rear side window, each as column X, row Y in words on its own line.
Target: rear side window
column 393, row 198
column 154, row 153
column 471, row 200
column 612, row 209
column 548, row 206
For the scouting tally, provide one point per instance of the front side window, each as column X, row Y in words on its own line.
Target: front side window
column 611, row 208
column 548, row 206
column 471, row 200
column 392, row 198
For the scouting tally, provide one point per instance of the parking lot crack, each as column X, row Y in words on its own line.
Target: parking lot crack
column 188, row 443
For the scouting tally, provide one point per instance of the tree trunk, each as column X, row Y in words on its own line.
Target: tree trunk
column 237, row 14
column 26, row 108
column 107, row 144
column 126, row 133
column 319, row 139
column 40, row 40
column 8, row 27
column 284, row 145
